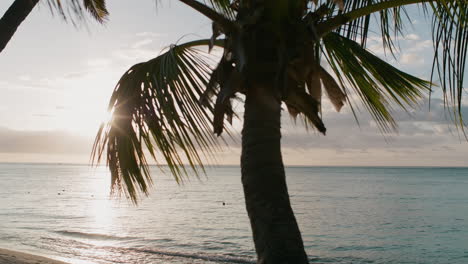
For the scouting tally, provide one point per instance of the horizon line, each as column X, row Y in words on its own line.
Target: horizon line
column 238, row 165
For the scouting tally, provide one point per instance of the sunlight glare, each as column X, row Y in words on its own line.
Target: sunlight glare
column 100, row 206
column 86, row 106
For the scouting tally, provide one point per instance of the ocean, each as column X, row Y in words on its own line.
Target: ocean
column 346, row 215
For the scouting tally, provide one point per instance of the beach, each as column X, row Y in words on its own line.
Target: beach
column 15, row 257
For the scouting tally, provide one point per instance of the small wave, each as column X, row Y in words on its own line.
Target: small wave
column 214, row 258
column 340, row 260
column 112, row 254
column 357, row 248
column 93, row 235
column 73, row 249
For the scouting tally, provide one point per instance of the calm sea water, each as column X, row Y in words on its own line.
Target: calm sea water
column 347, row 215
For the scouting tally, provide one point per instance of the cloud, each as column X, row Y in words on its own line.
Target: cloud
column 412, row 37
column 148, row 34
column 43, row 142
column 412, row 59
column 422, row 135
column 420, row 45
column 411, row 50
column 43, row 115
column 99, row 62
column 142, row 48
column 142, row 43
column 74, row 75
column 24, row 78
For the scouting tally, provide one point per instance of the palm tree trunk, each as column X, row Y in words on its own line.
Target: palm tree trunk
column 12, row 18
column 276, row 234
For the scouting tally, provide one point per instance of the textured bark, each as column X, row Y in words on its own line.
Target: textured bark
column 276, row 234
column 12, row 18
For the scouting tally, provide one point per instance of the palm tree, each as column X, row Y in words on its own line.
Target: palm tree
column 274, row 52
column 20, row 9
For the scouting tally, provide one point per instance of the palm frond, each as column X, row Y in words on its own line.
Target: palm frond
column 97, row 8
column 76, row 9
column 156, row 104
column 450, row 38
column 218, row 11
column 225, row 7
column 391, row 20
column 449, row 29
column 377, row 83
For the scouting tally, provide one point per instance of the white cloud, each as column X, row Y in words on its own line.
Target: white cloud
column 148, row 34
column 411, row 59
column 142, row 43
column 412, row 37
column 424, row 46
column 411, row 51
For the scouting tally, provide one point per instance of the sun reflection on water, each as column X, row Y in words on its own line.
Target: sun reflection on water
column 100, row 205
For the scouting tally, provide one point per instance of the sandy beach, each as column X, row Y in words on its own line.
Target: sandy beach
column 15, row 257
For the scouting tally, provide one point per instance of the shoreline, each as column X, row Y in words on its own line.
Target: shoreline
column 15, row 257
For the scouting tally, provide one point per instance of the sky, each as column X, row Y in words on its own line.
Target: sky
column 56, row 80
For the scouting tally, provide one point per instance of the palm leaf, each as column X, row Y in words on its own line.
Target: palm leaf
column 220, row 11
column 224, row 7
column 156, row 104
column 450, row 37
column 377, row 83
column 75, row 9
column 97, row 8
column 449, row 28
column 391, row 20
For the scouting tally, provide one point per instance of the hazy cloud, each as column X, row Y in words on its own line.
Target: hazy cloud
column 99, row 62
column 412, row 37
column 149, row 34
column 142, row 48
column 412, row 59
column 24, row 78
column 43, row 115
column 142, row 43
column 418, row 130
column 75, row 75
column 49, row 142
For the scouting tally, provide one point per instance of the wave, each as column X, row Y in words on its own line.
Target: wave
column 92, row 235
column 115, row 254
column 199, row 256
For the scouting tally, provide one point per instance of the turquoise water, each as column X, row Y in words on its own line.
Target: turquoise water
column 346, row 215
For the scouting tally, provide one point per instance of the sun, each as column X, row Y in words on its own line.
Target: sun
column 85, row 106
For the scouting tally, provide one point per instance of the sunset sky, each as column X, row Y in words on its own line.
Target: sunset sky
column 56, row 79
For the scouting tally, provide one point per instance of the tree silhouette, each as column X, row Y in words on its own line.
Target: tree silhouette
column 20, row 9
column 274, row 52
